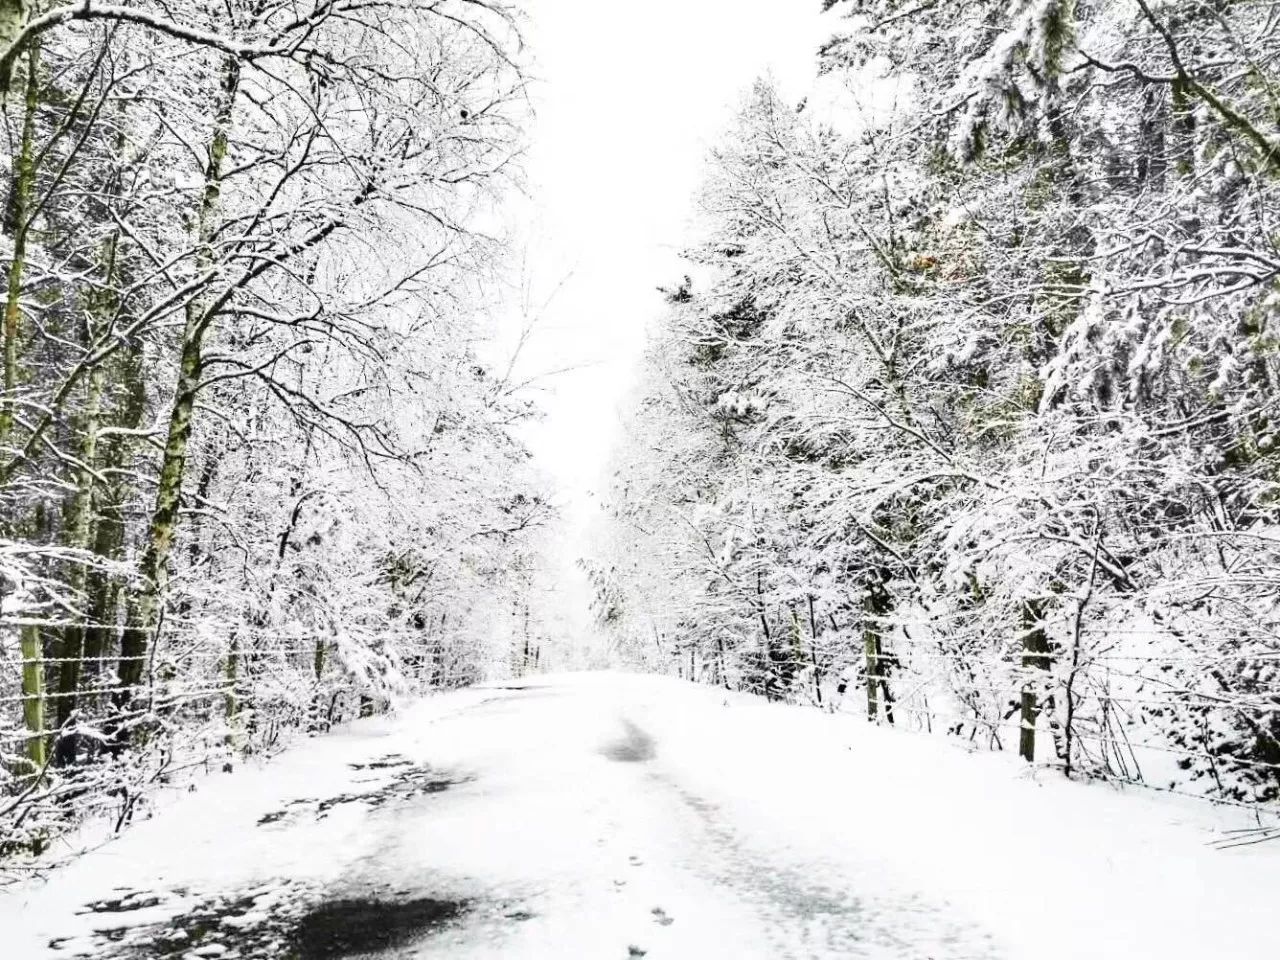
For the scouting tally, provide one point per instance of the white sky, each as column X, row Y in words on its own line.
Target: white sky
column 629, row 99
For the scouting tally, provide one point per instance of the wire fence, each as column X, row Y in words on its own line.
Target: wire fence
column 80, row 742
column 1202, row 723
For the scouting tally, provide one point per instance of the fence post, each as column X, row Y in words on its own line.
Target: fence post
column 230, row 699
column 876, row 604
column 1035, row 656
column 871, row 650
column 33, row 695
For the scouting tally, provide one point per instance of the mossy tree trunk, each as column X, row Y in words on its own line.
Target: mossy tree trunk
column 102, row 587
column 154, row 567
column 17, row 217
column 14, row 15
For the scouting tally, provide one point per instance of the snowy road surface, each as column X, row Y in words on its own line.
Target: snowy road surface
column 605, row 816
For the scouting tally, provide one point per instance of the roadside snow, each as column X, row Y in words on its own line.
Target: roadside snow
column 210, row 840
column 1057, row 870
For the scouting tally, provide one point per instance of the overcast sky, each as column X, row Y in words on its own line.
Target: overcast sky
column 629, row 98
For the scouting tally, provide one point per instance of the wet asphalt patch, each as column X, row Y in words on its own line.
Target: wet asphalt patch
column 282, row 919
column 225, row 927
column 346, row 928
column 124, row 904
column 283, row 922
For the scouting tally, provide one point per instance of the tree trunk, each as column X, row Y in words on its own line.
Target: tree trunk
column 319, row 659
column 79, row 537
column 766, row 658
column 24, row 175
column 80, row 521
column 813, row 652
column 886, row 694
column 154, row 568
column 230, row 700
column 104, row 588
column 14, row 15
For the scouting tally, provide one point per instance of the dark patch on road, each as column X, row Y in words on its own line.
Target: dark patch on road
column 408, row 783
column 533, row 689
column 385, row 763
column 275, row 816
column 282, row 922
column 512, row 697
column 347, row 928
column 635, row 746
column 125, row 904
column 209, row 924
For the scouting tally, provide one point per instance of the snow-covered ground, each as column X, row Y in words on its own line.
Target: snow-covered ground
column 606, row 815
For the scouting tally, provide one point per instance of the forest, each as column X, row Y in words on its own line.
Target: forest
column 965, row 414
column 959, row 417
column 254, row 477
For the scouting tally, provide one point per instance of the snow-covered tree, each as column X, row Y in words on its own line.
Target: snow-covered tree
column 969, row 403
column 254, row 477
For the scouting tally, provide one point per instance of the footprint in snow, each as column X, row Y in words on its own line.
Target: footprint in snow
column 662, row 917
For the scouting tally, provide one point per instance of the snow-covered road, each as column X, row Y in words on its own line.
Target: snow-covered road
column 605, row 816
